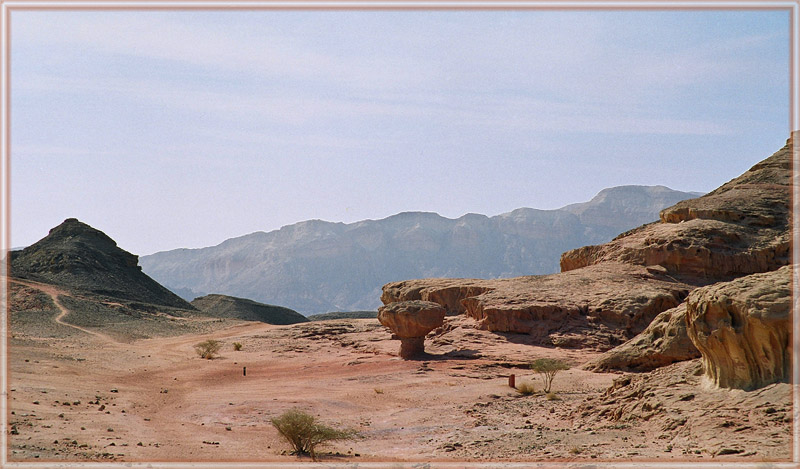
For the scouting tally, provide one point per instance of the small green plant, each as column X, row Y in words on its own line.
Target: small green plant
column 526, row 389
column 304, row 433
column 237, row 346
column 208, row 349
column 547, row 368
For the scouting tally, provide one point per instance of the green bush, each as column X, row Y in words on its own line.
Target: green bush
column 547, row 368
column 304, row 433
column 237, row 346
column 208, row 349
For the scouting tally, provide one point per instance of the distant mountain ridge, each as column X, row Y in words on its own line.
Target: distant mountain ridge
column 317, row 266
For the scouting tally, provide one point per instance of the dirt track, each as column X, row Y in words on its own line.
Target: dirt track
column 88, row 398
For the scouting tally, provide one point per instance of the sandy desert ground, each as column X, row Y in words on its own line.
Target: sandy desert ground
column 84, row 395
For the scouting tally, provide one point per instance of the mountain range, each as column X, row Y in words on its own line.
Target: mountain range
column 317, row 266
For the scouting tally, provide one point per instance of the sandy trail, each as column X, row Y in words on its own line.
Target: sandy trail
column 95, row 399
column 54, row 292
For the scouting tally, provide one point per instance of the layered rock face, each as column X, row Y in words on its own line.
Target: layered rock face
column 411, row 321
column 743, row 227
column 600, row 306
column 663, row 342
column 743, row 329
column 607, row 294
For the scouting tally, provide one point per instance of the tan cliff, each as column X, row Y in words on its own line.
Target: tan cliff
column 607, row 294
column 742, row 227
column 743, row 329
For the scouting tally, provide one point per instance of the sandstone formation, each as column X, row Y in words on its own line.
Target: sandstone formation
column 77, row 256
column 743, row 329
column 600, row 306
column 607, row 294
column 663, row 342
column 411, row 321
column 743, row 227
column 222, row 306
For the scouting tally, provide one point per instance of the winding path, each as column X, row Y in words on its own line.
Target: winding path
column 54, row 292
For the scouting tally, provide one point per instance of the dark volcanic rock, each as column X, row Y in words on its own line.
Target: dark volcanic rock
column 77, row 256
column 241, row 308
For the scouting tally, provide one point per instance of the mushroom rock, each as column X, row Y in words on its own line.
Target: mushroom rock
column 411, row 321
column 743, row 329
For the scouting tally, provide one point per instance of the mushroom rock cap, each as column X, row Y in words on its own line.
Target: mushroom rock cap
column 413, row 318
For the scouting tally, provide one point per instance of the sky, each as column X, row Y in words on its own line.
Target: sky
column 170, row 129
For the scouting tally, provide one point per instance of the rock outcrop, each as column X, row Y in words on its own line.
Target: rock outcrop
column 223, row 306
column 607, row 294
column 411, row 321
column 663, row 342
column 743, row 329
column 600, row 306
column 76, row 256
column 743, row 227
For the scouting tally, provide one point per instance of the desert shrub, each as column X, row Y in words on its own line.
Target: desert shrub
column 237, row 346
column 551, row 396
column 304, row 433
column 526, row 389
column 547, row 368
column 208, row 349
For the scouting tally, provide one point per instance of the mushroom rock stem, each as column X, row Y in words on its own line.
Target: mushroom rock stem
column 411, row 347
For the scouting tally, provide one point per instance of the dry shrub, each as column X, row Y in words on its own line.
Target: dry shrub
column 208, row 349
column 547, row 368
column 526, row 389
column 237, row 346
column 304, row 433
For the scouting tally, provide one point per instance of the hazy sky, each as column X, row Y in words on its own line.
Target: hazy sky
column 185, row 128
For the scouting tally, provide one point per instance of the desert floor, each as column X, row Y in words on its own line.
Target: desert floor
column 82, row 395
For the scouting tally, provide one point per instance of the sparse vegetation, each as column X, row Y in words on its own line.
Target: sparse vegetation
column 378, row 391
column 208, row 349
column 526, row 389
column 237, row 346
column 551, row 396
column 304, row 433
column 547, row 368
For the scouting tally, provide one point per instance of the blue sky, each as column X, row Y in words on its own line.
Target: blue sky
column 184, row 128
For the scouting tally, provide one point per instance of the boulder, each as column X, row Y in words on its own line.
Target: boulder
column 663, row 342
column 411, row 321
column 743, row 329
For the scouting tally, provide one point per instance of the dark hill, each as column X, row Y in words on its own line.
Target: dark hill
column 76, row 256
column 222, row 306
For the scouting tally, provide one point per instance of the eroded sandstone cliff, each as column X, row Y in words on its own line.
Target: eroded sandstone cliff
column 742, row 227
column 743, row 329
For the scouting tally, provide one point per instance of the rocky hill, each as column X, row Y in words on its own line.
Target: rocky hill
column 614, row 291
column 78, row 257
column 223, row 306
column 316, row 266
